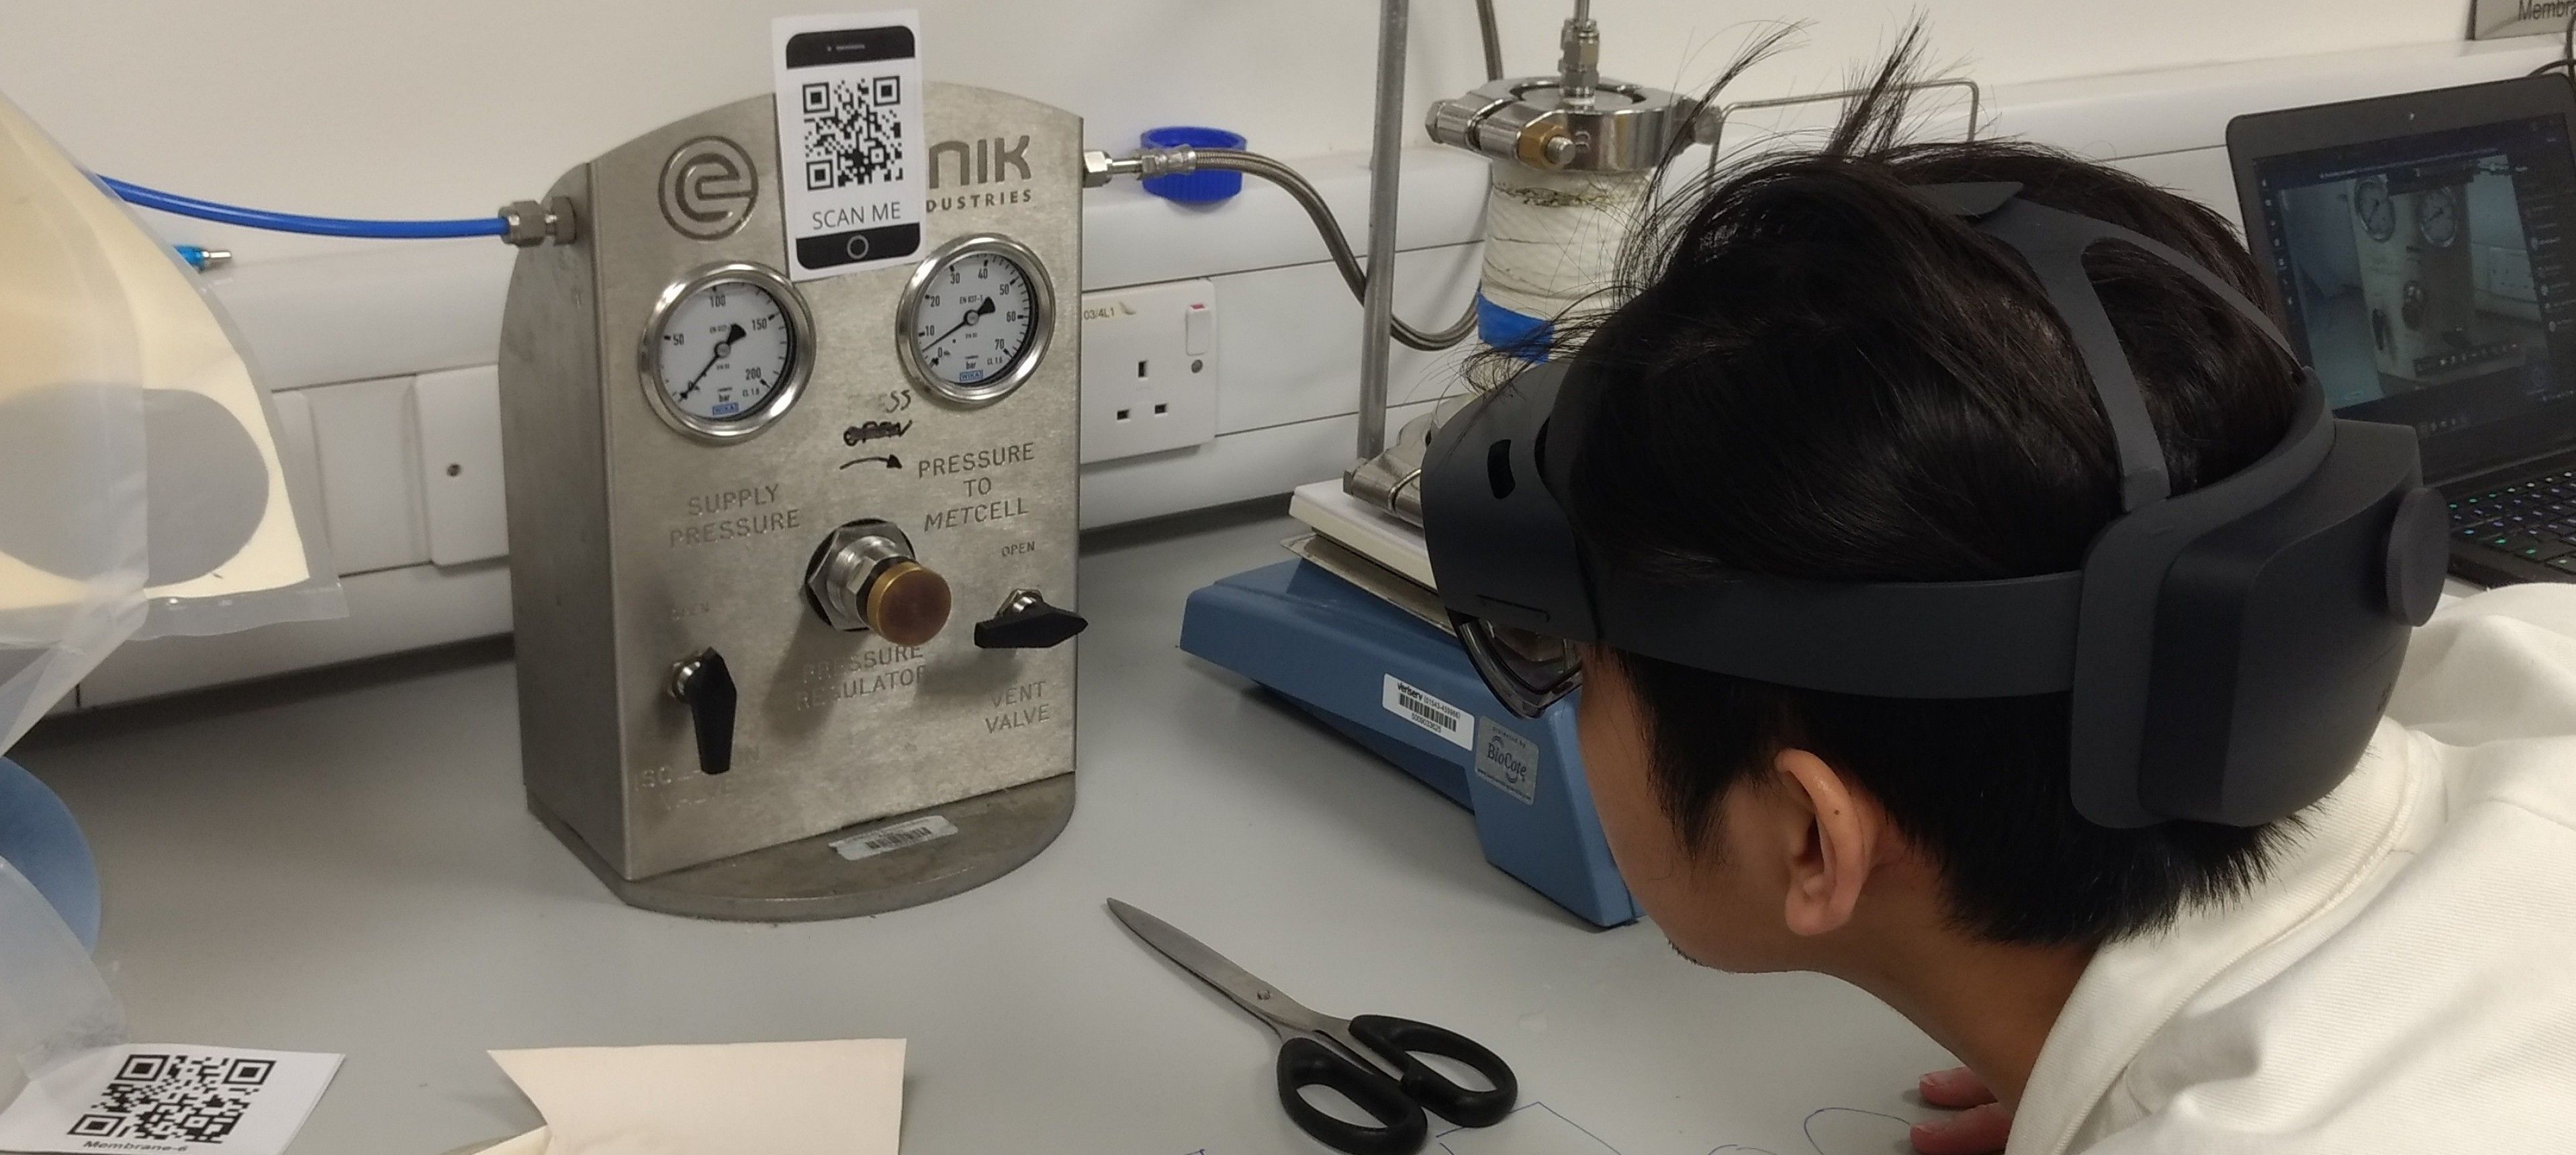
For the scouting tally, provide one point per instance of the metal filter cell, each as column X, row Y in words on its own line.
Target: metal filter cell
column 644, row 538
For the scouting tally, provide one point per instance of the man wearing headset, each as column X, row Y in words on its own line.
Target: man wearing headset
column 2028, row 674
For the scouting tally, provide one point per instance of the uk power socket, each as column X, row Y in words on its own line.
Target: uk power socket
column 1149, row 369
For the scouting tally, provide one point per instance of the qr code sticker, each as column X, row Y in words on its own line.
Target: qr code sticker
column 853, row 133
column 174, row 1099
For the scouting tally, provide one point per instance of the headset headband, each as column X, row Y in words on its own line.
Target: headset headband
column 2326, row 544
column 2053, row 242
column 1969, row 639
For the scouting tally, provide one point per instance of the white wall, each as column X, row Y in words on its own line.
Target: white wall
column 362, row 107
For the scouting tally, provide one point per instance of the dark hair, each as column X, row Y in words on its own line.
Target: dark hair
column 1812, row 373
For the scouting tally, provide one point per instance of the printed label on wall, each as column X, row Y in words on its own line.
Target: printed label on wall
column 1405, row 701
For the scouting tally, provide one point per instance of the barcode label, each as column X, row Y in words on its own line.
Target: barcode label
column 849, row 102
column 169, row 1099
column 895, row 837
column 1406, row 701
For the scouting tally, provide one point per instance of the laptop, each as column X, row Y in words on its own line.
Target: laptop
column 2422, row 249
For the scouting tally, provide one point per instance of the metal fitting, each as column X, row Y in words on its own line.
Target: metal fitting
column 851, row 558
column 531, row 223
column 1536, row 121
column 202, row 259
column 1579, row 71
column 683, row 673
column 865, row 578
column 1098, row 167
column 1171, row 161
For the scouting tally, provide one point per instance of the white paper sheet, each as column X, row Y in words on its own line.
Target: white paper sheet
column 1534, row 1129
column 843, row 1096
column 150, row 1097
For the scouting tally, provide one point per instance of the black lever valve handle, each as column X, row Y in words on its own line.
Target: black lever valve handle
column 705, row 686
column 1401, row 1128
column 1399, row 1041
column 1028, row 623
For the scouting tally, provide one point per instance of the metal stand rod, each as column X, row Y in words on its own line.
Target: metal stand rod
column 1379, row 308
column 1492, row 35
column 1709, row 127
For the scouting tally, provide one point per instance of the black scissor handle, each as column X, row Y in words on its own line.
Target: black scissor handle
column 1304, row 1063
column 1398, row 1040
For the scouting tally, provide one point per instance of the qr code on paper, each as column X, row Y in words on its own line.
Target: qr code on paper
column 853, row 135
column 174, row 1099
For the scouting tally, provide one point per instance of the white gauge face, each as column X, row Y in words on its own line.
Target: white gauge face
column 2378, row 216
column 2437, row 213
column 977, row 316
column 724, row 351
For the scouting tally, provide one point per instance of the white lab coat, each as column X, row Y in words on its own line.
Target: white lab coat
column 2405, row 980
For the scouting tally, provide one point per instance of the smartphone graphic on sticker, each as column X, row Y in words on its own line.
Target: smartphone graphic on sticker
column 850, row 147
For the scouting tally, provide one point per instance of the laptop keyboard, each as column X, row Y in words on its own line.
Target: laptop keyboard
column 2534, row 521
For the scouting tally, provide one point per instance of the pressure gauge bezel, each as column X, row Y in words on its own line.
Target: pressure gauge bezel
column 1041, row 330
column 2372, row 202
column 2427, row 204
column 791, row 383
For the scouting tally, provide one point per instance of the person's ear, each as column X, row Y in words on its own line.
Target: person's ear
column 1830, row 863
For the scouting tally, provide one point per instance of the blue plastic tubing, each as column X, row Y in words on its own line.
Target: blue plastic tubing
column 491, row 226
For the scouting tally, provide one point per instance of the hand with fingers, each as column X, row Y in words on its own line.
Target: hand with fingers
column 1979, row 1128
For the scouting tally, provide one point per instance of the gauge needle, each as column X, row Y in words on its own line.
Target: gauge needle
column 722, row 347
column 973, row 315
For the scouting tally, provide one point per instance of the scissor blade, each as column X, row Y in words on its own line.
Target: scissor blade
column 1217, row 971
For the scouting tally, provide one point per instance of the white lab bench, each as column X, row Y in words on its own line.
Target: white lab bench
column 344, row 862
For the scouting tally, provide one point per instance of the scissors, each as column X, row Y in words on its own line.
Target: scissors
column 1318, row 1050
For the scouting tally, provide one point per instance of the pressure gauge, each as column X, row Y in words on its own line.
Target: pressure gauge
column 726, row 351
column 2437, row 216
column 974, row 320
column 2378, row 216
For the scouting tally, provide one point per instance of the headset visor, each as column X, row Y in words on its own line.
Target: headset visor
column 1528, row 672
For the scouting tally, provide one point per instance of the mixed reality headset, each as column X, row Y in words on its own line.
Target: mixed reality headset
column 2227, row 651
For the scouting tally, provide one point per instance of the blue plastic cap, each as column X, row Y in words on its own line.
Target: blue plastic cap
column 1196, row 187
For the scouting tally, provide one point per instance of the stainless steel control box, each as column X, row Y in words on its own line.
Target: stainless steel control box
column 787, row 563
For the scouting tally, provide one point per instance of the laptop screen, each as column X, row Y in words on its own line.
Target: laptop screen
column 2428, row 281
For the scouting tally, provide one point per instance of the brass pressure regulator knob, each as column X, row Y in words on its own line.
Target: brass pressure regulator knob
column 865, row 578
column 906, row 602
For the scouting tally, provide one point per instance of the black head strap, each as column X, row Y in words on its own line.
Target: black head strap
column 2053, row 242
column 2226, row 650
column 1505, row 551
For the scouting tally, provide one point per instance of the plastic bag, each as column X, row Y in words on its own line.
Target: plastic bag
column 141, row 489
column 54, row 1004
